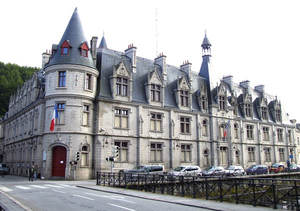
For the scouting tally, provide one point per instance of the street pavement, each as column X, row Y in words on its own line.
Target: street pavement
column 9, row 203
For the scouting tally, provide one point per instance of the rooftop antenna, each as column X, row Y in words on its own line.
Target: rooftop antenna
column 156, row 33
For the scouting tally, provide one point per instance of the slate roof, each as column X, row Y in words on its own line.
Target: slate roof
column 75, row 36
column 107, row 58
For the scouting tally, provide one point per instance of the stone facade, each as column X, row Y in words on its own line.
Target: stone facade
column 154, row 113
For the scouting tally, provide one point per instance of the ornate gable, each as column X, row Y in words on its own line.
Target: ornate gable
column 121, row 70
column 183, row 84
column 155, row 78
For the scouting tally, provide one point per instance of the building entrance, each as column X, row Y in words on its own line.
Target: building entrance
column 58, row 161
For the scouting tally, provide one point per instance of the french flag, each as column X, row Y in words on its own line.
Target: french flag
column 225, row 132
column 55, row 115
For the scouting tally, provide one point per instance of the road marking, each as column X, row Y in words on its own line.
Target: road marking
column 125, row 208
column 38, row 186
column 119, row 198
column 22, row 187
column 5, row 189
column 58, row 191
column 54, row 186
column 68, row 186
column 84, row 197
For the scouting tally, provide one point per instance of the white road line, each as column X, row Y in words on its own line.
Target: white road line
column 68, row 186
column 5, row 189
column 54, row 186
column 58, row 191
column 38, row 186
column 125, row 208
column 84, row 197
column 22, row 187
column 119, row 198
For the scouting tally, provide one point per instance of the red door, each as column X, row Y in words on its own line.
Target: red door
column 59, row 161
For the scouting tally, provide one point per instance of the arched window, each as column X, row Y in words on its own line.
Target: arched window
column 84, row 156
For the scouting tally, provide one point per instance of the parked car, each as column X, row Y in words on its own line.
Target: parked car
column 257, row 169
column 213, row 171
column 276, row 168
column 3, row 169
column 293, row 168
column 140, row 170
column 184, row 171
column 234, row 171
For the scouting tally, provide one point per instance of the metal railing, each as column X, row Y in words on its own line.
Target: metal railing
column 267, row 192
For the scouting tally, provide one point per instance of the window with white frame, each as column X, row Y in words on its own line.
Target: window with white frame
column 267, row 154
column 156, row 122
column 223, row 155
column 222, row 102
column 122, row 86
column 249, row 131
column 84, row 158
column 277, row 115
column 186, row 153
column 88, row 81
column 236, row 131
column 266, row 136
column 281, row 155
column 121, row 118
column 279, row 134
column 251, row 154
column 123, row 151
column 156, row 151
column 290, row 136
column 184, row 97
column 86, row 115
column 204, row 127
column 60, row 113
column 205, row 161
column 185, row 125
column 248, row 109
column 264, row 113
column 155, row 92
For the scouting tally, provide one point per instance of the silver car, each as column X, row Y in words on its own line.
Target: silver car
column 213, row 171
column 234, row 171
column 185, row 171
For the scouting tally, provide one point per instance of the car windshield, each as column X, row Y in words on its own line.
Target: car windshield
column 138, row 167
column 209, row 168
column 179, row 168
column 275, row 165
column 253, row 167
column 230, row 168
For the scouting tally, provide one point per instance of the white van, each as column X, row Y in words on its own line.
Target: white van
column 185, row 171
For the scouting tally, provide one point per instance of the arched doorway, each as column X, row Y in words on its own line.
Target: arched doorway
column 59, row 161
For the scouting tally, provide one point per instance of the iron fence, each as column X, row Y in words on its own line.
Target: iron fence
column 268, row 192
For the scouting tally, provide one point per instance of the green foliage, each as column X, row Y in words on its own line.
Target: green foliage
column 12, row 76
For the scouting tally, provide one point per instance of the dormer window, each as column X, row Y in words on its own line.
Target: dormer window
column 184, row 98
column 84, row 49
column 65, row 51
column 65, row 47
column 222, row 103
column 264, row 113
column 155, row 92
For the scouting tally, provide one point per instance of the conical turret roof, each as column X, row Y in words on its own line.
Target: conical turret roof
column 103, row 43
column 74, row 35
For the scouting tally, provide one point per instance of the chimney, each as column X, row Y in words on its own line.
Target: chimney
column 260, row 88
column 131, row 53
column 161, row 61
column 187, row 67
column 229, row 80
column 94, row 48
column 45, row 58
column 245, row 85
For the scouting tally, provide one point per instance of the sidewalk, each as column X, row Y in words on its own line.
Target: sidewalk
column 197, row 203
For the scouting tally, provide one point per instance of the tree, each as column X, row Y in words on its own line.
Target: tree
column 12, row 76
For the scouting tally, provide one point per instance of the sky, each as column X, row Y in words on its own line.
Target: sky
column 255, row 40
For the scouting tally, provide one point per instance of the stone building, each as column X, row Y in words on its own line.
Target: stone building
column 154, row 113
